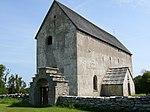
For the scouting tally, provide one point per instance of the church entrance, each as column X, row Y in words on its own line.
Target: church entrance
column 41, row 92
column 47, row 86
column 44, row 95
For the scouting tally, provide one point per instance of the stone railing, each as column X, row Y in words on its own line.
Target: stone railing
column 125, row 104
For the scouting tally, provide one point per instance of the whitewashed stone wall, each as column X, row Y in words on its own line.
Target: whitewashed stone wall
column 94, row 58
column 62, row 52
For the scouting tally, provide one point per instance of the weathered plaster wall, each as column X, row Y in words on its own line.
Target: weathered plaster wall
column 62, row 52
column 94, row 58
column 128, row 89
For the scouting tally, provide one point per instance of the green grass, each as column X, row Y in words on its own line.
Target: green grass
column 18, row 105
column 9, row 100
column 6, row 108
column 139, row 95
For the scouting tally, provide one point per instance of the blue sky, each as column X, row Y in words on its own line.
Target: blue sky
column 128, row 20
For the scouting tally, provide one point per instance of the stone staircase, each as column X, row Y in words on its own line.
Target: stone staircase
column 54, row 73
column 53, row 80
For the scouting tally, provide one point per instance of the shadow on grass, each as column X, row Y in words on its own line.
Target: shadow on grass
column 88, row 108
column 20, row 104
column 70, row 106
column 27, row 104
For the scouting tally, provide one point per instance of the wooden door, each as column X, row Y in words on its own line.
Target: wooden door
column 44, row 95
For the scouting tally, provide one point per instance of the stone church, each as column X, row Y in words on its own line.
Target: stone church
column 75, row 57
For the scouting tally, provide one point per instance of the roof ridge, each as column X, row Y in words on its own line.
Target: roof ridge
column 85, row 19
column 59, row 4
column 109, row 39
column 84, row 25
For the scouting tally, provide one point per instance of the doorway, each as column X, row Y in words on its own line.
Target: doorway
column 44, row 95
column 41, row 92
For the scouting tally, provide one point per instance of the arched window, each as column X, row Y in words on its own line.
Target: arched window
column 95, row 83
column 49, row 40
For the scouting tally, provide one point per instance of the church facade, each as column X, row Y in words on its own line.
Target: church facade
column 88, row 60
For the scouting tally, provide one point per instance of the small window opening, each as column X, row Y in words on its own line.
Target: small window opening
column 110, row 59
column 49, row 40
column 118, row 61
column 95, row 83
column 54, row 16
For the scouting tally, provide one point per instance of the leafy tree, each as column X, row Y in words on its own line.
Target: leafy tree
column 2, row 69
column 11, row 84
column 142, row 83
column 2, row 87
column 146, row 82
column 2, row 81
column 137, row 82
column 16, row 84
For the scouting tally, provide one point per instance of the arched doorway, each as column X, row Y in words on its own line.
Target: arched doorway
column 41, row 92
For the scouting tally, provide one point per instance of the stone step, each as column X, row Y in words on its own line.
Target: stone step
column 62, row 81
column 49, row 70
column 59, row 78
column 55, row 74
column 56, row 79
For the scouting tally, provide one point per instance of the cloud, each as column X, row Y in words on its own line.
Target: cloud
column 135, row 3
column 84, row 3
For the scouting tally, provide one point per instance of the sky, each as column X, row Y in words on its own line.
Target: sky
column 128, row 20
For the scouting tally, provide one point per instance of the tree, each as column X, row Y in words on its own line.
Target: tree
column 11, row 84
column 137, row 82
column 16, row 84
column 2, row 69
column 2, row 80
column 146, row 82
column 142, row 83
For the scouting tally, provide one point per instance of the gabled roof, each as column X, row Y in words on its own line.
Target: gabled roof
column 87, row 27
column 115, row 75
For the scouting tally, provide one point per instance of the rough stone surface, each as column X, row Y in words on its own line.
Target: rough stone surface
column 55, row 83
column 95, row 58
column 62, row 52
column 124, row 104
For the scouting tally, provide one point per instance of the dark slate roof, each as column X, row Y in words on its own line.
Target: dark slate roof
column 115, row 75
column 87, row 27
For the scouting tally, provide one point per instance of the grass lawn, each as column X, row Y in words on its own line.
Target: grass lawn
column 15, row 105
column 6, row 108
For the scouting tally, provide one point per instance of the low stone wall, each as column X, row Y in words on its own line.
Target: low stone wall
column 137, row 104
column 20, row 96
